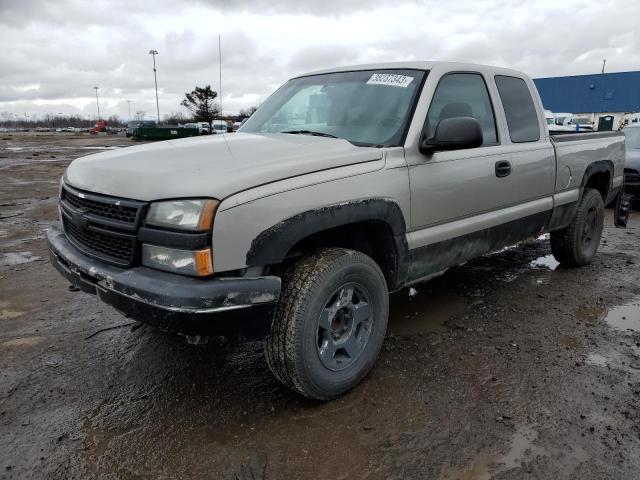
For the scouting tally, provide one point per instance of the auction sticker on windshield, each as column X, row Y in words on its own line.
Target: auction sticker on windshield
column 390, row 79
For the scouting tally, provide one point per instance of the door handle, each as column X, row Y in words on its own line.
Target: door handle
column 503, row 168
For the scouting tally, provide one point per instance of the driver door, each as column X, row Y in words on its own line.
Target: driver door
column 450, row 188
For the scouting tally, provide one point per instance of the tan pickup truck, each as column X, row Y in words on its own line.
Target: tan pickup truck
column 344, row 185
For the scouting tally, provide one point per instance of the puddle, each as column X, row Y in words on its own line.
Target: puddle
column 521, row 443
column 105, row 147
column 22, row 342
column 486, row 466
column 45, row 149
column 6, row 312
column 625, row 317
column 419, row 310
column 591, row 314
column 12, row 258
column 597, row 360
column 548, row 261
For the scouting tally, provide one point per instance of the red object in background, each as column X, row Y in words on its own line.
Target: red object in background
column 100, row 126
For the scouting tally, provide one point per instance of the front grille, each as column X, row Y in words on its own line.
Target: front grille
column 101, row 226
column 111, row 211
column 106, row 247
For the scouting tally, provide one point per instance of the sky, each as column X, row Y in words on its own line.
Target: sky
column 55, row 52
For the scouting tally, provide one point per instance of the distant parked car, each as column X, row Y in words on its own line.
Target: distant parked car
column 219, row 126
column 632, row 118
column 580, row 122
column 59, row 129
column 202, row 127
column 100, row 126
column 139, row 123
column 70, row 129
column 552, row 126
column 632, row 163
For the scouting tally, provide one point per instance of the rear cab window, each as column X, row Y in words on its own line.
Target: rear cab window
column 519, row 109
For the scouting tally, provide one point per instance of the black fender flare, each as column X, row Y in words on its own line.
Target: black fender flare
column 272, row 245
column 600, row 166
column 563, row 215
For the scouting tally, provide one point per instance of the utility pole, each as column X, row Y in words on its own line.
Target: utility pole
column 604, row 62
column 129, row 105
column 97, row 102
column 220, row 63
column 155, row 78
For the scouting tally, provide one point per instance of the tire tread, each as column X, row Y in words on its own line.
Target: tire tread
column 564, row 243
column 303, row 277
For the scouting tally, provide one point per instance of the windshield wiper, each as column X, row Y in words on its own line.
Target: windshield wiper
column 309, row 132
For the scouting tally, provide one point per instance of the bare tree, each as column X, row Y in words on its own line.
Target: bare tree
column 175, row 118
column 139, row 115
column 247, row 112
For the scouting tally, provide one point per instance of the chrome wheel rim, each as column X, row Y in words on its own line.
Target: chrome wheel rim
column 344, row 326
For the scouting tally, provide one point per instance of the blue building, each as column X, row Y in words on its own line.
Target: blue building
column 596, row 95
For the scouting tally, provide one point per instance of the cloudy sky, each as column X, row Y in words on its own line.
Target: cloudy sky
column 54, row 52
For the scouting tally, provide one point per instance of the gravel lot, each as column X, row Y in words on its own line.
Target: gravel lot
column 508, row 367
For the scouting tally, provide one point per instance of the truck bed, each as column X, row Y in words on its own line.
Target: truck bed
column 576, row 151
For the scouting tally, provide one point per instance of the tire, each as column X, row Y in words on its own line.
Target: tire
column 329, row 324
column 577, row 244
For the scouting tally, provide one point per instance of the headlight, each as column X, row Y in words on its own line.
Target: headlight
column 187, row 262
column 194, row 215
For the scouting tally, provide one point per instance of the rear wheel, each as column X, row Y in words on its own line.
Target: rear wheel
column 577, row 244
column 330, row 323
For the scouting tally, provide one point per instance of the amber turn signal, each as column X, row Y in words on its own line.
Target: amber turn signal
column 208, row 212
column 204, row 262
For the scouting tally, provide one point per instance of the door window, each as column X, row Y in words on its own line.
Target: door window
column 463, row 95
column 519, row 109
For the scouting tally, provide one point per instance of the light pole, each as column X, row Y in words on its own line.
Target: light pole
column 155, row 79
column 97, row 103
column 129, row 105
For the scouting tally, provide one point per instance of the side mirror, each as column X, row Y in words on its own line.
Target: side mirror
column 454, row 134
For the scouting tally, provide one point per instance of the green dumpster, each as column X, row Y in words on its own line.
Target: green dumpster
column 164, row 133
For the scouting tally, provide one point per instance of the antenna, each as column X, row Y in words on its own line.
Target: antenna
column 604, row 62
column 220, row 62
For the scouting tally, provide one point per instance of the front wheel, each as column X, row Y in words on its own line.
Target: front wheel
column 330, row 323
column 577, row 244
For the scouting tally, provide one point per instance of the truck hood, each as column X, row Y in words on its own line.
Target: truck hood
column 210, row 166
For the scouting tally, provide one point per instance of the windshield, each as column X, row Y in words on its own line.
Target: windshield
column 632, row 138
column 367, row 108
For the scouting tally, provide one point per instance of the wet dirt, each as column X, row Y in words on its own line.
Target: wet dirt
column 508, row 367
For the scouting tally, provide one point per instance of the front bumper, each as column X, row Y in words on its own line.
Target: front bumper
column 236, row 308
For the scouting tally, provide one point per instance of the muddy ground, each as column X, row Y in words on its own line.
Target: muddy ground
column 508, row 367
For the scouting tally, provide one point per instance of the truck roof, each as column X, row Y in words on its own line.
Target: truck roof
column 422, row 65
